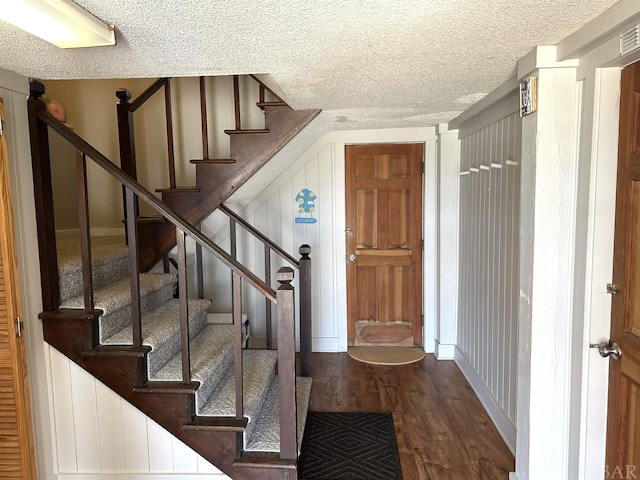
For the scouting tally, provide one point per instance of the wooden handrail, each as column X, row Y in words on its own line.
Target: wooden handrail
column 147, row 94
column 304, row 267
column 258, row 234
column 125, row 110
column 158, row 205
column 263, row 86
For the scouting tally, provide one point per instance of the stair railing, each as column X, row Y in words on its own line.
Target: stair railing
column 39, row 122
column 304, row 289
column 125, row 109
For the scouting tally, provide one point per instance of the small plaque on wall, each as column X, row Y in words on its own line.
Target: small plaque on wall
column 306, row 201
column 527, row 96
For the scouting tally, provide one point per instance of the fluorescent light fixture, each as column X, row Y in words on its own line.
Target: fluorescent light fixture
column 60, row 22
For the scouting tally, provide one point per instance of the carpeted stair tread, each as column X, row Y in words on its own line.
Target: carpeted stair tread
column 211, row 354
column 161, row 331
column 211, row 346
column 155, row 290
column 258, row 372
column 109, row 257
column 266, row 432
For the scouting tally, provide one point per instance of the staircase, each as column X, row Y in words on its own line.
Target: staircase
column 201, row 413
column 144, row 337
column 216, row 178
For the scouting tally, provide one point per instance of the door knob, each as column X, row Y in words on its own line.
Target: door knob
column 608, row 348
column 352, row 257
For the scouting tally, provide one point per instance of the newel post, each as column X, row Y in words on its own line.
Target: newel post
column 125, row 133
column 287, row 364
column 305, row 311
column 126, row 140
column 43, row 193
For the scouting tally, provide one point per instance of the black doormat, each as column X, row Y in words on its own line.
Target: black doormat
column 349, row 446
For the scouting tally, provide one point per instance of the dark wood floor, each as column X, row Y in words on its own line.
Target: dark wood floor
column 443, row 431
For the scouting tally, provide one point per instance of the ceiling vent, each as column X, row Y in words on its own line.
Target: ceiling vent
column 630, row 40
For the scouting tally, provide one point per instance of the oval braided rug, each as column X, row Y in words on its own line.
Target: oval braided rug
column 386, row 355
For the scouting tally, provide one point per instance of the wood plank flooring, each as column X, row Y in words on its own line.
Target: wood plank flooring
column 443, row 431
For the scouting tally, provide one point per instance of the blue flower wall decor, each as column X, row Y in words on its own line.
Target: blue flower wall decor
column 306, row 201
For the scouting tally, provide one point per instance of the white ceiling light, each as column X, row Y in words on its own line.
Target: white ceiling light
column 60, row 22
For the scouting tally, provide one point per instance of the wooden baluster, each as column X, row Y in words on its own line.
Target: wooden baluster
column 236, row 101
column 184, row 306
column 203, row 119
column 165, row 263
column 43, row 195
column 199, row 268
column 169, row 121
column 267, row 280
column 237, row 344
column 85, row 234
column 233, row 239
column 287, row 364
column 305, row 311
column 261, row 99
column 134, row 269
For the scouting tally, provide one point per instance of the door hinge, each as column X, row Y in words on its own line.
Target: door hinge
column 612, row 289
column 422, row 320
column 19, row 326
column 2, row 127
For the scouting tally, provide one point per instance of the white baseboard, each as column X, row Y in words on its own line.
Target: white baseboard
column 444, row 351
column 68, row 233
column 98, row 232
column 141, row 476
column 318, row 344
column 325, row 344
column 107, row 232
column 505, row 427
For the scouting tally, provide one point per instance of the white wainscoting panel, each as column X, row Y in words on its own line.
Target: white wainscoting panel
column 488, row 268
column 100, row 435
column 274, row 213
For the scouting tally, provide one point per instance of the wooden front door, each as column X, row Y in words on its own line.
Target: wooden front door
column 16, row 437
column 623, row 428
column 384, row 244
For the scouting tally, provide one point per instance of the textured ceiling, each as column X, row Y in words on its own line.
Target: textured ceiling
column 366, row 63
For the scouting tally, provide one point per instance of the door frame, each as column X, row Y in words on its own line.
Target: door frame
column 426, row 136
column 603, row 77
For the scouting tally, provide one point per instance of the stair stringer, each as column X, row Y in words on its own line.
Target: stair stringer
column 218, row 182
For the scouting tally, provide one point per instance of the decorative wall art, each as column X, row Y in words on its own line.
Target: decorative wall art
column 306, row 201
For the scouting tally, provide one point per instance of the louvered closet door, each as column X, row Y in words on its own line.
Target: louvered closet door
column 16, row 439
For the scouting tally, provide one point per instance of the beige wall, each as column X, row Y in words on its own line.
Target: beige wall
column 90, row 107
